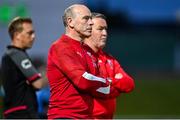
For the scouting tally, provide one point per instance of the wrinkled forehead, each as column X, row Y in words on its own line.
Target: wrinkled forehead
column 99, row 22
column 81, row 11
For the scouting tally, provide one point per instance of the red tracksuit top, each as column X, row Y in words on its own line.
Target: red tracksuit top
column 72, row 86
column 110, row 68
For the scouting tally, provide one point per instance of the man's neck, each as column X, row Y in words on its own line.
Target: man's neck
column 90, row 44
column 74, row 35
column 16, row 44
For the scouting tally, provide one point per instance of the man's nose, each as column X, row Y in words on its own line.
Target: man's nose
column 91, row 22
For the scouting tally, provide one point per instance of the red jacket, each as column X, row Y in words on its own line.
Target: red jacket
column 109, row 67
column 72, row 86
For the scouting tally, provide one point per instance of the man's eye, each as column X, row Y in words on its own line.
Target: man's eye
column 87, row 17
column 31, row 32
column 101, row 28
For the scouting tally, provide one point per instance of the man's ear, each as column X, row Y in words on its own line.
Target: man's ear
column 70, row 22
column 16, row 35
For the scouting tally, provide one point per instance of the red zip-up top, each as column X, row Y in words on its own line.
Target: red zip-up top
column 71, row 84
column 92, row 59
column 99, row 110
column 109, row 67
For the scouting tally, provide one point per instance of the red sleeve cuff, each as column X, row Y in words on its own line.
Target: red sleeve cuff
column 34, row 77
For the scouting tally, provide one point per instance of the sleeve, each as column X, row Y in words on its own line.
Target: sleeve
column 113, row 92
column 25, row 65
column 108, row 73
column 73, row 67
column 122, row 81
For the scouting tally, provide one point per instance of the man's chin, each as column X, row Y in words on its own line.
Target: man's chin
column 28, row 47
column 102, row 46
column 87, row 35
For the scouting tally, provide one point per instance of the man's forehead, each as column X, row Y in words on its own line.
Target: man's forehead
column 99, row 21
column 83, row 11
column 27, row 26
column 100, row 24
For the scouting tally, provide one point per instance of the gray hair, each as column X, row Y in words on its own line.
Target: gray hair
column 68, row 12
column 98, row 15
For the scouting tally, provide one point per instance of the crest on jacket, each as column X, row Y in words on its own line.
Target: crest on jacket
column 110, row 63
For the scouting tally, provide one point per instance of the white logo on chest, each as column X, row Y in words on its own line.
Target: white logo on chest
column 110, row 64
column 79, row 53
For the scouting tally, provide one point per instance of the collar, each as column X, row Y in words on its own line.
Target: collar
column 11, row 46
column 69, row 39
column 87, row 48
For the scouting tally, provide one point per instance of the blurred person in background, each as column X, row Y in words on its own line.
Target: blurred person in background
column 44, row 93
column 70, row 71
column 108, row 67
column 20, row 78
